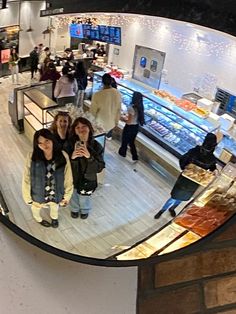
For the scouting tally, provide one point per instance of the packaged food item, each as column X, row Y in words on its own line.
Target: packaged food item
column 200, row 112
column 188, row 221
column 230, row 171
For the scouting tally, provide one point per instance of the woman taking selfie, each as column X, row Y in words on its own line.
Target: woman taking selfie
column 47, row 179
column 86, row 161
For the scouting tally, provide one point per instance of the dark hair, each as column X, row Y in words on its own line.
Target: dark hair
column 68, row 50
column 80, row 70
column 106, row 79
column 83, row 121
column 113, row 83
column 137, row 102
column 13, row 53
column 38, row 153
column 51, row 66
column 66, row 72
column 210, row 141
column 53, row 127
column 46, row 49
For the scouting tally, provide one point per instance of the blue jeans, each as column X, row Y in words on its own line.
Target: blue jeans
column 80, row 203
column 171, row 202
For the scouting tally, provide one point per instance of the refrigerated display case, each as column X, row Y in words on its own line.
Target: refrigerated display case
column 168, row 125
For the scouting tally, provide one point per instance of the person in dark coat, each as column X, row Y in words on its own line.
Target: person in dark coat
column 34, row 60
column 82, row 81
column 51, row 74
column 184, row 188
column 86, row 161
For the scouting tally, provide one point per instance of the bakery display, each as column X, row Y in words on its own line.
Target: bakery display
column 197, row 174
column 202, row 220
column 200, row 112
column 154, row 243
column 185, row 240
column 182, row 103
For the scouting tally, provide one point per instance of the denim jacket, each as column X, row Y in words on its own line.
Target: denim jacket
column 33, row 186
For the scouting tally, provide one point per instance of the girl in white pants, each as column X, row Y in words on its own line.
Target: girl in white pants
column 13, row 65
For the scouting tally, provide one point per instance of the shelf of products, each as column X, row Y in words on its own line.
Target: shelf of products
column 208, row 211
column 174, row 128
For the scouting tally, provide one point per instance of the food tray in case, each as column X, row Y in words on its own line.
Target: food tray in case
column 197, row 174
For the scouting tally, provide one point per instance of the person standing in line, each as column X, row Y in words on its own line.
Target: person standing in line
column 43, row 54
column 51, row 74
column 86, row 161
column 82, row 82
column 34, row 60
column 13, row 65
column 66, row 88
column 132, row 121
column 47, row 179
column 106, row 105
column 184, row 188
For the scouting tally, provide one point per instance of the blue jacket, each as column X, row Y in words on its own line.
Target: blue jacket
column 33, row 185
column 37, row 177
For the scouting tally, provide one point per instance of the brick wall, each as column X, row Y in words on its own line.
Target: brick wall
column 203, row 281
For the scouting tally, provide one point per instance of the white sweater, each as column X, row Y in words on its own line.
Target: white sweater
column 106, row 107
column 65, row 88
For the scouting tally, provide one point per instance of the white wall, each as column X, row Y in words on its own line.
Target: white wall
column 33, row 281
column 30, row 14
column 195, row 56
column 9, row 16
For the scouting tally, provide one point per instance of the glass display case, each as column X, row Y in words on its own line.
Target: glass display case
column 170, row 126
column 208, row 211
column 16, row 105
column 36, row 111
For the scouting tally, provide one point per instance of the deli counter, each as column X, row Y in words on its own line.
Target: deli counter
column 172, row 127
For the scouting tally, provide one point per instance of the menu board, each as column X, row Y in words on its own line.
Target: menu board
column 115, row 35
column 108, row 34
column 104, row 33
column 76, row 30
column 87, row 31
column 94, row 33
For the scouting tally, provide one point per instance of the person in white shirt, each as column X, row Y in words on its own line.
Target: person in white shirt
column 106, row 105
column 133, row 119
column 66, row 88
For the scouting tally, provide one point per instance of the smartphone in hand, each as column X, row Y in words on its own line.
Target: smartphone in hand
column 79, row 144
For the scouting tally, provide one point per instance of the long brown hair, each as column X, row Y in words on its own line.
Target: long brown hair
column 53, row 127
column 84, row 121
